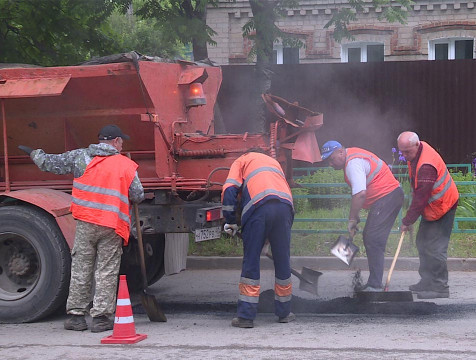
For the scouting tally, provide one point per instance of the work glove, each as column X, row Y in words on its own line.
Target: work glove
column 26, row 149
column 230, row 229
column 352, row 227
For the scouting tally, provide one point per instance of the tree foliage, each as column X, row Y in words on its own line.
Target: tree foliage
column 262, row 29
column 392, row 11
column 144, row 35
column 184, row 20
column 56, row 32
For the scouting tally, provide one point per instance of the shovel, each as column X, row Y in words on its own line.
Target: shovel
column 386, row 295
column 307, row 279
column 149, row 302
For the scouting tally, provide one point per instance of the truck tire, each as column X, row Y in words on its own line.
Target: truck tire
column 35, row 264
column 154, row 246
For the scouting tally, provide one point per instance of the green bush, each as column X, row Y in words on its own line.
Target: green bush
column 325, row 176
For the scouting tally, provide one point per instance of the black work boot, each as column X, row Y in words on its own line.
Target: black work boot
column 101, row 323
column 242, row 322
column 76, row 323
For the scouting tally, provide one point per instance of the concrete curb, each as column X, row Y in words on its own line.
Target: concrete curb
column 321, row 263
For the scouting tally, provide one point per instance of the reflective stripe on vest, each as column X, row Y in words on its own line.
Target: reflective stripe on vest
column 444, row 193
column 101, row 194
column 373, row 172
column 257, row 176
column 380, row 181
column 262, row 195
column 102, row 191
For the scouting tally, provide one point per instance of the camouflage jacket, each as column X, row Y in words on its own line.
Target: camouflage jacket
column 75, row 162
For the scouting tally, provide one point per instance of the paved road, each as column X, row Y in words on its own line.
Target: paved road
column 200, row 305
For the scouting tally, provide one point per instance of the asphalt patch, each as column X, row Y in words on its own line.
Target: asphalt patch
column 342, row 305
column 348, row 305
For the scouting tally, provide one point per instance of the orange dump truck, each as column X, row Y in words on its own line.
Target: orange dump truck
column 167, row 108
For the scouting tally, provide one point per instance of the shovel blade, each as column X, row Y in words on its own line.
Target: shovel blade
column 344, row 249
column 152, row 308
column 309, row 280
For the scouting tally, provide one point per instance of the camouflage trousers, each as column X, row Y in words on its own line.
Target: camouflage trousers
column 96, row 254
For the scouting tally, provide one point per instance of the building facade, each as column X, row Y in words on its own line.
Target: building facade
column 435, row 29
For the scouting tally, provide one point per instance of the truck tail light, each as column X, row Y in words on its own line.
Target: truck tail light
column 213, row 214
column 195, row 97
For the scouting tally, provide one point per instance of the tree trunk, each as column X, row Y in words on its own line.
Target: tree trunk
column 199, row 43
column 264, row 18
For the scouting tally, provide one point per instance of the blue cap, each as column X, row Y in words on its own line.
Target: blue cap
column 328, row 148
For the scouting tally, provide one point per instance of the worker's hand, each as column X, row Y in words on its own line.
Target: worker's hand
column 26, row 149
column 407, row 228
column 230, row 229
column 352, row 227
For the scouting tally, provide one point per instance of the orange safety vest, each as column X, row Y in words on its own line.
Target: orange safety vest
column 444, row 193
column 260, row 176
column 101, row 194
column 380, row 180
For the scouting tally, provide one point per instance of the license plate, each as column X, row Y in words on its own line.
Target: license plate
column 207, row 234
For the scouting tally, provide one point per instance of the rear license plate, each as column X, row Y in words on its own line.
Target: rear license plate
column 207, row 234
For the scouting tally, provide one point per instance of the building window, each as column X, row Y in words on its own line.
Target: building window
column 285, row 55
column 362, row 52
column 450, row 49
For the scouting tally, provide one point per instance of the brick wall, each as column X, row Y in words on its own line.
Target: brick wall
column 428, row 20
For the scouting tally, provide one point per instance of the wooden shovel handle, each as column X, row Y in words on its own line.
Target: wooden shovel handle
column 394, row 261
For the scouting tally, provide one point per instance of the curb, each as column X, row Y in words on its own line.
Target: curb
column 321, row 263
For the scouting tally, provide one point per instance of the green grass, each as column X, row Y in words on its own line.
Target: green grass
column 461, row 245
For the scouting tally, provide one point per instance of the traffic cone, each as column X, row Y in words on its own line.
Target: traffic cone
column 124, row 331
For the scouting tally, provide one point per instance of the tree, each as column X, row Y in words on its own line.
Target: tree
column 143, row 35
column 345, row 15
column 184, row 20
column 55, row 32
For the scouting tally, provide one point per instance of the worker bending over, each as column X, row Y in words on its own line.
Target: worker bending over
column 266, row 214
column 374, row 187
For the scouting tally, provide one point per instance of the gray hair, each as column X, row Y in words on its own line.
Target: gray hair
column 413, row 138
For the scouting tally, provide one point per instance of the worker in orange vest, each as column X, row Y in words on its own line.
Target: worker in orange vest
column 104, row 182
column 266, row 214
column 375, row 188
column 435, row 198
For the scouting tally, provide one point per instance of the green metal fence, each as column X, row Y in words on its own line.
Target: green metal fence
column 400, row 171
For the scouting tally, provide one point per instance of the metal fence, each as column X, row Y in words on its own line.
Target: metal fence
column 400, row 171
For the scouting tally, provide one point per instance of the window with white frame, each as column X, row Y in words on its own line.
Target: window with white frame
column 362, row 52
column 285, row 55
column 451, row 49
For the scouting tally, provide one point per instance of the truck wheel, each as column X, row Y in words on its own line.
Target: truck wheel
column 35, row 265
column 154, row 246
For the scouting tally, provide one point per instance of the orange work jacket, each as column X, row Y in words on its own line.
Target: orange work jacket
column 101, row 194
column 260, row 178
column 380, row 180
column 444, row 193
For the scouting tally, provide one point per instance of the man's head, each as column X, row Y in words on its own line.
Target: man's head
column 112, row 134
column 334, row 152
column 408, row 143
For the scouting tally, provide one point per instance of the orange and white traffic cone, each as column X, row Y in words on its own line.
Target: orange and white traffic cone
column 124, row 331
